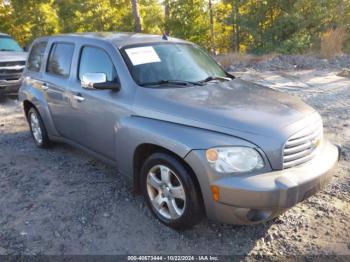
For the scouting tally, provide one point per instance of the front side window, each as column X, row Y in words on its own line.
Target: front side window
column 9, row 44
column 35, row 58
column 60, row 59
column 96, row 60
column 170, row 62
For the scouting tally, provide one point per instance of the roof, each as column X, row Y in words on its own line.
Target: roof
column 3, row 34
column 124, row 39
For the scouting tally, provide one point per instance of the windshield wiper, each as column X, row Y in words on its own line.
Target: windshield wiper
column 211, row 78
column 174, row 82
column 6, row 50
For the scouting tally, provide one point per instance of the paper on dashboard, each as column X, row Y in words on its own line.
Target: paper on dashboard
column 142, row 55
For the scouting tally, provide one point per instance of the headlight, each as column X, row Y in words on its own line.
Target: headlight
column 234, row 159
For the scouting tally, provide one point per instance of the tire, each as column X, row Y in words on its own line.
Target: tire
column 176, row 190
column 37, row 128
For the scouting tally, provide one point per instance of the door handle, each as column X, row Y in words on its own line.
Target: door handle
column 79, row 98
column 44, row 86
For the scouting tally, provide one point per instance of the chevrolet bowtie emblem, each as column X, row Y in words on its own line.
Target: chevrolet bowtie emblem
column 316, row 142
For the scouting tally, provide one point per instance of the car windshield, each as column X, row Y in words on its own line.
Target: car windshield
column 174, row 63
column 9, row 44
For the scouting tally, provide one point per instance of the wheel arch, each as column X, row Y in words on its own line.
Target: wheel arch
column 42, row 108
column 27, row 105
column 143, row 151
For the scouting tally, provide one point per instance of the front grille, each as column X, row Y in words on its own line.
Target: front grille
column 302, row 146
column 11, row 70
column 12, row 63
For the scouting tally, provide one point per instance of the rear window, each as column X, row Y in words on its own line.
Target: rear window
column 60, row 59
column 35, row 58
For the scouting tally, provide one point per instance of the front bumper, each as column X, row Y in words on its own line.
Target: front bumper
column 252, row 198
column 9, row 87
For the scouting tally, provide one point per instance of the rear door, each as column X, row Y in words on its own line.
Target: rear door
column 33, row 75
column 57, row 82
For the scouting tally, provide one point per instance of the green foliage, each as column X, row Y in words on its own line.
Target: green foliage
column 295, row 44
column 290, row 26
column 91, row 15
column 189, row 19
column 223, row 28
column 29, row 19
column 152, row 17
column 256, row 26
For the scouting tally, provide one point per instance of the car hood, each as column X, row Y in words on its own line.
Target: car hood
column 9, row 56
column 237, row 105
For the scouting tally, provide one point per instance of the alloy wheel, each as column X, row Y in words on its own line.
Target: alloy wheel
column 36, row 129
column 166, row 192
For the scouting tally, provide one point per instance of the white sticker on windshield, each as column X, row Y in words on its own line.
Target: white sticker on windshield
column 142, row 55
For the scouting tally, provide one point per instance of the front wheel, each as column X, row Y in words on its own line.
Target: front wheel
column 170, row 191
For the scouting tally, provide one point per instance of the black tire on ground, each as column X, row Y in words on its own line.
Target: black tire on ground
column 45, row 141
column 193, row 209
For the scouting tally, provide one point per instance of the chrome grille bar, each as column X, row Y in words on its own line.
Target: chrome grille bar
column 302, row 146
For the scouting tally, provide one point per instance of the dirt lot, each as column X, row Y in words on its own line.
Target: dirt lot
column 61, row 201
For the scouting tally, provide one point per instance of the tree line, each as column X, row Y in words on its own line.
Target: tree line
column 220, row 26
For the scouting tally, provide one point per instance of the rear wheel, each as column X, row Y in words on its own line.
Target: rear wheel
column 37, row 128
column 170, row 191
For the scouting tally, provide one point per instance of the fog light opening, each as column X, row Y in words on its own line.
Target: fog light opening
column 255, row 215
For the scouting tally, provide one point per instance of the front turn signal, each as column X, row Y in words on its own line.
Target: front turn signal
column 215, row 193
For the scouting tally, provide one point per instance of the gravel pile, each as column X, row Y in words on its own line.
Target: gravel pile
column 292, row 62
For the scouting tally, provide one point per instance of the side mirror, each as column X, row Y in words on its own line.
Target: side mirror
column 98, row 81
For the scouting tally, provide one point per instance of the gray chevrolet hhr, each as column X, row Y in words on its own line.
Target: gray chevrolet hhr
column 194, row 139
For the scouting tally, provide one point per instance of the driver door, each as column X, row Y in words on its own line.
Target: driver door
column 94, row 112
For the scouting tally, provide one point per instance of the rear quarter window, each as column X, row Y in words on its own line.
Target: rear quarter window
column 36, row 56
column 60, row 59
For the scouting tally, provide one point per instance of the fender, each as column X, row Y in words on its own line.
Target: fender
column 134, row 131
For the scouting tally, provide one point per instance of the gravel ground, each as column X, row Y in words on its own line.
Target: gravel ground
column 61, row 201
